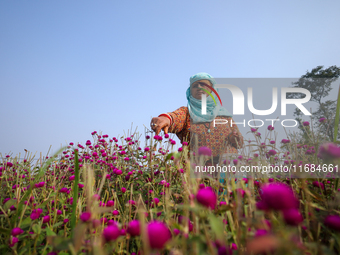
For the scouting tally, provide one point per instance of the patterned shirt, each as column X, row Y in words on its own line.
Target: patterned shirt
column 216, row 138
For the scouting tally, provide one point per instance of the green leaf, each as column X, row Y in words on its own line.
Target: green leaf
column 169, row 156
column 217, row 226
column 9, row 203
column 58, row 224
column 26, row 222
column 36, row 228
column 49, row 232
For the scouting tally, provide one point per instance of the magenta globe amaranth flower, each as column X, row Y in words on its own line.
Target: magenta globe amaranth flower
column 278, row 196
column 322, row 120
column 85, row 216
column 134, row 228
column 158, row 234
column 305, row 123
column 204, row 151
column 17, row 231
column 329, row 151
column 333, row 222
column 271, row 152
column 207, row 197
column 292, row 216
column 111, row 233
column 46, row 219
column 270, row 128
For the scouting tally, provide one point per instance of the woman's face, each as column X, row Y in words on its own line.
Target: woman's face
column 195, row 90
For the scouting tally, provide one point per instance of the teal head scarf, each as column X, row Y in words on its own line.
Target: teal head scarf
column 195, row 105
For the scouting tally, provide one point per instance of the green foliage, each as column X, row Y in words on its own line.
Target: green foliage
column 318, row 82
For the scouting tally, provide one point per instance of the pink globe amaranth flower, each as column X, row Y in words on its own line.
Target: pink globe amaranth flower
column 333, row 222
column 115, row 213
column 253, row 130
column 158, row 234
column 88, row 142
column 271, row 152
column 305, row 123
column 322, row 120
column 146, row 149
column 85, row 216
column 80, row 185
column 292, row 216
column 112, row 222
column 111, row 233
column 235, row 161
column 59, row 212
column 63, row 190
column 156, row 200
column 329, row 151
column 118, row 172
column 34, row 216
column 71, row 178
column 278, row 196
column 13, row 241
column 66, row 220
column 17, row 231
column 110, row 203
column 204, row 151
column 46, row 218
column 207, row 197
column 261, row 232
column 123, row 190
column 134, row 228
column 272, row 142
column 166, row 136
column 270, row 128
column 173, row 142
column 176, row 231
column 318, row 184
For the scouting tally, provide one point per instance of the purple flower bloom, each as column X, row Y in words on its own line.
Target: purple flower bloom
column 134, row 228
column 63, row 190
column 158, row 234
column 110, row 203
column 272, row 152
column 123, row 190
column 34, row 216
column 329, row 150
column 204, row 151
column 278, row 196
column 253, row 130
column 292, row 216
column 207, row 197
column 305, row 123
column 13, row 241
column 17, row 231
column 270, row 128
column 322, row 120
column 46, row 218
column 85, row 216
column 333, row 222
column 115, row 213
column 111, row 233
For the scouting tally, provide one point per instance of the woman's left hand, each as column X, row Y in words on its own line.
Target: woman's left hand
column 234, row 137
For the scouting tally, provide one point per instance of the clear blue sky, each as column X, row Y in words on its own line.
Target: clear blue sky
column 71, row 67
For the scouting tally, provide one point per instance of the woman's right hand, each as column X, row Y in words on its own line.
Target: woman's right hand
column 160, row 123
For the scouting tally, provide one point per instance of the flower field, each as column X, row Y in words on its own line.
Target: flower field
column 117, row 196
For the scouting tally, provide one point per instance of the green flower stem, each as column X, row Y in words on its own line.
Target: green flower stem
column 336, row 123
column 75, row 191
